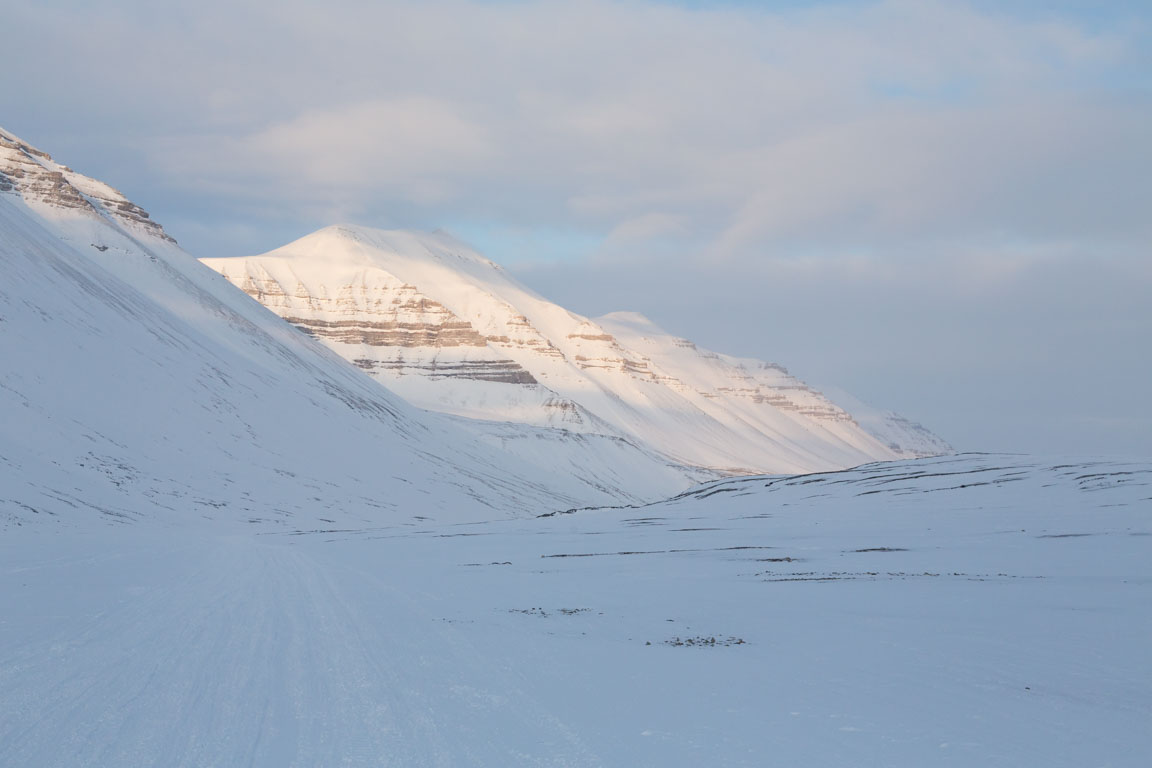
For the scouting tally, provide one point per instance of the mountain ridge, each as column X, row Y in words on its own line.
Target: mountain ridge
column 450, row 330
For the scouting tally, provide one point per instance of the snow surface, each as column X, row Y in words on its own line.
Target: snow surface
column 979, row 610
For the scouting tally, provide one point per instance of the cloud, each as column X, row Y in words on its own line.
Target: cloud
column 414, row 147
column 1047, row 170
column 756, row 130
column 875, row 124
column 648, row 226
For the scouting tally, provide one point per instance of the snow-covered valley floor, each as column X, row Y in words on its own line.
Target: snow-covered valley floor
column 975, row 610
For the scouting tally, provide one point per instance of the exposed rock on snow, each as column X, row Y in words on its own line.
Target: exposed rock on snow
column 38, row 179
column 386, row 313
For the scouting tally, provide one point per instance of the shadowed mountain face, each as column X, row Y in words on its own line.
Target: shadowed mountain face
column 450, row 331
column 138, row 383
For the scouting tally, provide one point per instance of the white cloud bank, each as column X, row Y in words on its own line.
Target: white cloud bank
column 858, row 126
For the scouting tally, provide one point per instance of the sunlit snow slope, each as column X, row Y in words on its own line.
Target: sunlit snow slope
column 451, row 331
column 135, row 381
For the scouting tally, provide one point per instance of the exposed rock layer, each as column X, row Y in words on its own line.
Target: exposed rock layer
column 392, row 316
column 32, row 174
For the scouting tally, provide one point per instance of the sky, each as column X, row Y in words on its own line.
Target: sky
column 944, row 208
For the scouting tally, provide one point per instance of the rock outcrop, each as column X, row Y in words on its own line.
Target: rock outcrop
column 35, row 176
column 409, row 334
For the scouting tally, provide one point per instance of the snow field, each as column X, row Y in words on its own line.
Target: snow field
column 980, row 610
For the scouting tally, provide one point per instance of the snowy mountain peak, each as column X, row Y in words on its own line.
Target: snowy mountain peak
column 633, row 320
column 59, row 192
column 449, row 330
column 354, row 244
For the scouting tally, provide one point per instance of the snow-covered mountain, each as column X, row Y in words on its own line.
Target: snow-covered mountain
column 134, row 381
column 899, row 433
column 449, row 330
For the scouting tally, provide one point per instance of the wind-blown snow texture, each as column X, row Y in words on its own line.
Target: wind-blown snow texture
column 450, row 331
column 974, row 610
column 135, row 381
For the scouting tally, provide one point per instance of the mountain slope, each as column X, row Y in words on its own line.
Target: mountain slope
column 897, row 432
column 449, row 330
column 136, row 382
column 737, row 388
